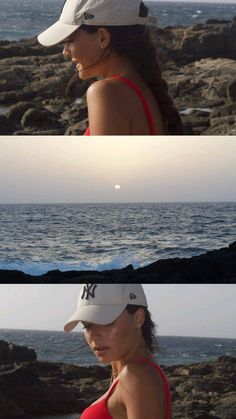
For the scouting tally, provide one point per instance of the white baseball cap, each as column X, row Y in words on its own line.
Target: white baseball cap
column 93, row 12
column 103, row 303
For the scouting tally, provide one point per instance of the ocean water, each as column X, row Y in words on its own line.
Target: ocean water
column 27, row 18
column 56, row 346
column 36, row 238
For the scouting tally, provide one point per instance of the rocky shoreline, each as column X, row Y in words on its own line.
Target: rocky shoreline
column 205, row 390
column 213, row 266
column 199, row 65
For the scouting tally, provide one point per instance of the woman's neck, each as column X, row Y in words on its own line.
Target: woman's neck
column 133, row 355
column 116, row 64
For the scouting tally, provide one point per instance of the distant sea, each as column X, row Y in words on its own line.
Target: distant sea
column 35, row 238
column 172, row 350
column 27, row 18
column 55, row 346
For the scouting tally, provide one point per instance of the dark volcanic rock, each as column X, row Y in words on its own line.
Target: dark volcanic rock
column 199, row 64
column 12, row 352
column 40, row 119
column 204, row 390
column 5, row 125
column 41, row 388
column 213, row 266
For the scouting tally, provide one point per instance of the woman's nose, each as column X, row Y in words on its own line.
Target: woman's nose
column 95, row 331
column 66, row 51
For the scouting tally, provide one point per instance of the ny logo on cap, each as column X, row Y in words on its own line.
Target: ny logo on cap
column 88, row 16
column 88, row 291
column 132, row 296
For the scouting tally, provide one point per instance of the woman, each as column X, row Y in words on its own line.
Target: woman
column 109, row 40
column 119, row 330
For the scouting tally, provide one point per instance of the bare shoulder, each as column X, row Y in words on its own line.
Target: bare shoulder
column 105, row 88
column 141, row 374
column 141, row 392
column 107, row 111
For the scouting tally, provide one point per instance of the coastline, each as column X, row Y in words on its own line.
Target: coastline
column 37, row 389
column 210, row 267
column 199, row 64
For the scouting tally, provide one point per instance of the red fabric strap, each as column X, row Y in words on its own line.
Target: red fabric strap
column 146, row 107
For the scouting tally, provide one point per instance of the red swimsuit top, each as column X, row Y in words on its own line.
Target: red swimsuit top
column 99, row 409
column 145, row 104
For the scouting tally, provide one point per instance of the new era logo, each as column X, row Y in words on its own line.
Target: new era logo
column 132, row 296
column 88, row 16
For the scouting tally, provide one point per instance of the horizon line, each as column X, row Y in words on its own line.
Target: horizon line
column 174, row 336
column 118, row 202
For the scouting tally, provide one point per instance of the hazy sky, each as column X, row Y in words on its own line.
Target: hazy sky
column 199, row 1
column 79, row 169
column 182, row 310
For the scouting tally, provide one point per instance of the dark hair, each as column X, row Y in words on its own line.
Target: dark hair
column 148, row 327
column 135, row 43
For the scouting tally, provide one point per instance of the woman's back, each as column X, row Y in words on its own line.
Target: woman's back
column 123, row 106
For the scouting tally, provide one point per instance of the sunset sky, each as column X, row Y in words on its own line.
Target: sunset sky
column 75, row 169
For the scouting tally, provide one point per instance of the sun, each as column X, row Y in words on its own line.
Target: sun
column 117, row 187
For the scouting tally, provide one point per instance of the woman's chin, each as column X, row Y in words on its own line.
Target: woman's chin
column 82, row 72
column 103, row 359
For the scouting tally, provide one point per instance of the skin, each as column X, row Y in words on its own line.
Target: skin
column 140, row 390
column 113, row 108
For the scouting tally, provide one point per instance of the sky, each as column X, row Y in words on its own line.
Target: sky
column 79, row 169
column 199, row 1
column 204, row 310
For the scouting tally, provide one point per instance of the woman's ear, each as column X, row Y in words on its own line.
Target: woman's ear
column 104, row 37
column 139, row 317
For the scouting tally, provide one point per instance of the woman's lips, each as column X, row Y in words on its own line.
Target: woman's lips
column 100, row 350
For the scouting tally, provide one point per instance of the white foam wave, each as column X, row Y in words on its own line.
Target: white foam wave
column 34, row 268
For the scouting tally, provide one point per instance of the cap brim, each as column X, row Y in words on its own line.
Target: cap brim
column 94, row 314
column 56, row 33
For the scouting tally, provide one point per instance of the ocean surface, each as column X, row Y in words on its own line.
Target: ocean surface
column 27, row 18
column 36, row 238
column 62, row 347
column 56, row 346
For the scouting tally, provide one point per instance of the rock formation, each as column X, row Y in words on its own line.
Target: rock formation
column 206, row 390
column 16, row 353
column 213, row 266
column 198, row 63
